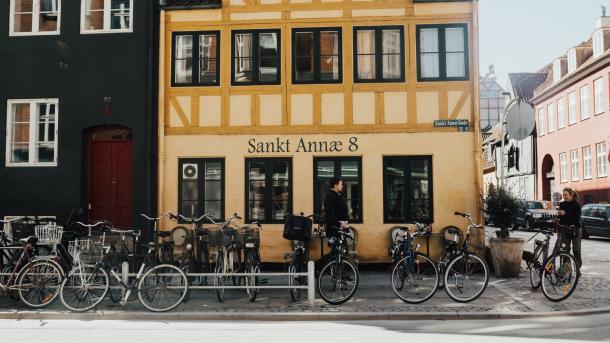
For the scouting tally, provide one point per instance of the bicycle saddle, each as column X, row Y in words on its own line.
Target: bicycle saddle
column 202, row 232
column 29, row 240
column 165, row 234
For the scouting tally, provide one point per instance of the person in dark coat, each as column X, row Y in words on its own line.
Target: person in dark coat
column 569, row 215
column 335, row 208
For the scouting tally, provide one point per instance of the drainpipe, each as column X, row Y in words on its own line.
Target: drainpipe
column 161, row 115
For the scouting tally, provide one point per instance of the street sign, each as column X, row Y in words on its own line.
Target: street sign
column 520, row 120
column 461, row 124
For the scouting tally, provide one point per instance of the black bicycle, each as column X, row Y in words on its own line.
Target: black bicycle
column 252, row 260
column 339, row 277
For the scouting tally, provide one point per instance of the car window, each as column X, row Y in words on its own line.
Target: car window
column 531, row 205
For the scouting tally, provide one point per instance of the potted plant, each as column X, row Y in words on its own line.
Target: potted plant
column 506, row 252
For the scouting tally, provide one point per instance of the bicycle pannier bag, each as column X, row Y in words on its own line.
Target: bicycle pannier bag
column 297, row 228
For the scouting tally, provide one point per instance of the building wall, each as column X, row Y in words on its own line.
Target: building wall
column 519, row 178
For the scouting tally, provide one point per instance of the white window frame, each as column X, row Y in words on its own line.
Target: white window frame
column 561, row 113
column 587, row 166
column 542, row 121
column 35, row 21
column 563, row 163
column 551, row 117
column 585, row 102
column 599, row 96
column 575, row 165
column 107, row 17
column 572, row 63
column 572, row 108
column 602, row 159
column 33, row 132
column 598, row 43
column 557, row 70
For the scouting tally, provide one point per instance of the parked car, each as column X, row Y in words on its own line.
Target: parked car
column 533, row 214
column 595, row 220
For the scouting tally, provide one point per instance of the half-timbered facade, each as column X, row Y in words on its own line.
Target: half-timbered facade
column 263, row 101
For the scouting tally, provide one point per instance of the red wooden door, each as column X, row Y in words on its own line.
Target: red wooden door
column 110, row 182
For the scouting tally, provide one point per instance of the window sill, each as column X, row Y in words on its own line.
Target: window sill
column 95, row 32
column 576, row 180
column 602, row 176
column 30, row 165
column 32, row 34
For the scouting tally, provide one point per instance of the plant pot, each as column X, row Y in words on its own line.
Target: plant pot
column 506, row 254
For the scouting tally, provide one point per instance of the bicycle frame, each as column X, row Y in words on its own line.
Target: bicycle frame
column 129, row 287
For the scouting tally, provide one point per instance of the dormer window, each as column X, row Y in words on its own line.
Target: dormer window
column 598, row 43
column 557, row 70
column 572, row 60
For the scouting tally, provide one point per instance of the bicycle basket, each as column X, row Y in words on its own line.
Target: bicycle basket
column 215, row 237
column 49, row 234
column 88, row 251
column 251, row 236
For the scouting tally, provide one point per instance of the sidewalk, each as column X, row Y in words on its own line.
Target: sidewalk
column 374, row 300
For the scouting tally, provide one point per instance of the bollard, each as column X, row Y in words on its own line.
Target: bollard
column 125, row 273
column 311, row 283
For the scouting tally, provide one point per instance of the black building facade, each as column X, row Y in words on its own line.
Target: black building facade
column 78, row 108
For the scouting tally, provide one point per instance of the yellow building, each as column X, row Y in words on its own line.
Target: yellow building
column 263, row 101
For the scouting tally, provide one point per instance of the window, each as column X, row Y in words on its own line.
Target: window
column 317, row 56
column 561, row 113
column 32, row 133
column 602, row 160
column 572, row 60
column 551, row 112
column 587, row 163
column 34, row 17
column 598, row 43
column 572, row 108
column 442, row 52
column 556, row 70
column 350, row 170
column 106, row 16
column 542, row 121
column 575, row 163
column 563, row 162
column 268, row 189
column 407, row 193
column 202, row 185
column 379, row 54
column 195, row 59
column 598, row 89
column 585, row 103
column 256, row 57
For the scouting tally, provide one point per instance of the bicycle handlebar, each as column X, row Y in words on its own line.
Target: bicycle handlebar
column 90, row 225
column 462, row 214
column 8, row 221
column 164, row 215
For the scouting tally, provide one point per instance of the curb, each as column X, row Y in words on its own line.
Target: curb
column 288, row 316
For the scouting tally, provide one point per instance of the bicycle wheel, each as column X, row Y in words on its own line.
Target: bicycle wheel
column 162, row 288
column 415, row 280
column 219, row 280
column 295, row 267
column 38, row 283
column 84, row 288
column 559, row 276
column 535, row 270
column 338, row 281
column 466, row 278
column 251, row 265
column 116, row 289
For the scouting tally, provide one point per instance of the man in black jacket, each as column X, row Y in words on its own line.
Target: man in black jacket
column 335, row 208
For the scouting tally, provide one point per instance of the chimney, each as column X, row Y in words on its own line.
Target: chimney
column 603, row 22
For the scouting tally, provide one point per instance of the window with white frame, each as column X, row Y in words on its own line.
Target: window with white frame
column 542, row 121
column 32, row 132
column 572, row 108
column 556, row 70
column 34, row 17
column 104, row 16
column 561, row 113
column 600, row 101
column 598, row 43
column 551, row 113
column 575, row 164
column 587, row 163
column 602, row 160
column 572, row 60
column 585, row 102
column 563, row 163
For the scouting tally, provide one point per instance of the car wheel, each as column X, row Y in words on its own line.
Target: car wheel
column 515, row 226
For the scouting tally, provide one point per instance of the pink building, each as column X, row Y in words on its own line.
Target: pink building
column 573, row 121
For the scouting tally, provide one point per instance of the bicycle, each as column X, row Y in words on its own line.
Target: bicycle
column 415, row 277
column 160, row 288
column 166, row 249
column 466, row 275
column 227, row 256
column 558, row 273
column 339, row 274
column 35, row 280
column 252, row 261
column 197, row 260
column 299, row 259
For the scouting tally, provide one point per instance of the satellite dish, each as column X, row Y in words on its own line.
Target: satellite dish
column 520, row 120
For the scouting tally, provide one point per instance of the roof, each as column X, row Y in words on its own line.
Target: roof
column 189, row 4
column 524, row 84
column 494, row 134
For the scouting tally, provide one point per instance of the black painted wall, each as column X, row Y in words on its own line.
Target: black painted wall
column 80, row 70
